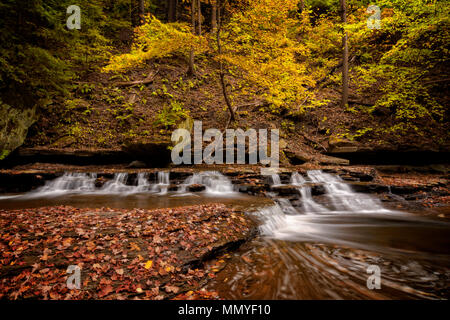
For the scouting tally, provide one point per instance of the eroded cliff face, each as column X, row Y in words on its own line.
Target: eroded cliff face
column 14, row 124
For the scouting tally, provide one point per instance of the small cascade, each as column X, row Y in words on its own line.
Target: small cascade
column 283, row 221
column 287, row 207
column 84, row 183
column 276, row 180
column 342, row 197
column 309, row 205
column 143, row 184
column 69, row 182
column 297, row 179
column 163, row 182
column 117, row 185
column 215, row 182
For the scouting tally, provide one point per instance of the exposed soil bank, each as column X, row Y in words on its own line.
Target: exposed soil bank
column 123, row 254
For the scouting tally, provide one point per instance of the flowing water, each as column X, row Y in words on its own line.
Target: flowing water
column 214, row 181
column 313, row 247
column 325, row 248
column 80, row 190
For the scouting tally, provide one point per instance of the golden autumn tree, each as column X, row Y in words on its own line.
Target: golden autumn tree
column 156, row 39
column 260, row 40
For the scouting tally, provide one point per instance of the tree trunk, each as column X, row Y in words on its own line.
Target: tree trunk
column 213, row 16
column 141, row 12
column 221, row 71
column 191, row 71
column 302, row 5
column 134, row 13
column 345, row 56
column 171, row 10
column 199, row 8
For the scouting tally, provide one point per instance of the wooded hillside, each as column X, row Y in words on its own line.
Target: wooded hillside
column 327, row 73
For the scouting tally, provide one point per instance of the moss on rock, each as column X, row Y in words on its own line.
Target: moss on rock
column 14, row 124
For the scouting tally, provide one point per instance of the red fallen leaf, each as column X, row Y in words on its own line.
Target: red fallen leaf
column 67, row 242
column 134, row 247
column 96, row 266
column 173, row 289
column 55, row 296
column 46, row 289
column 121, row 288
column 105, row 291
column 157, row 239
column 105, row 281
column 44, row 257
column 155, row 291
column 162, row 272
column 119, row 271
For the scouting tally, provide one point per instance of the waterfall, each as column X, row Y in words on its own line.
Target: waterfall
column 117, row 185
column 342, row 197
column 163, row 182
column 276, row 181
column 284, row 221
column 308, row 203
column 297, row 179
column 69, row 182
column 84, row 183
column 214, row 182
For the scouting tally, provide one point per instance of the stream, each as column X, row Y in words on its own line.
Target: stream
column 310, row 247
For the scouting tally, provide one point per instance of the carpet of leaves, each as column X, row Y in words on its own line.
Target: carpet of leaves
column 122, row 254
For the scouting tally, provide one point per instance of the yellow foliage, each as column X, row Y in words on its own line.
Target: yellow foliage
column 156, row 39
column 261, row 41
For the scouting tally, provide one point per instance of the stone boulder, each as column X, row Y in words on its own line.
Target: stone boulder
column 14, row 124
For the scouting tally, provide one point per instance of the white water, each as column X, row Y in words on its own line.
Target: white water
column 118, row 185
column 308, row 203
column 286, row 222
column 276, row 181
column 84, row 184
column 69, row 182
column 163, row 183
column 215, row 183
column 342, row 197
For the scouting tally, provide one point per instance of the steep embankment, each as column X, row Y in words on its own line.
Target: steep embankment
column 130, row 118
